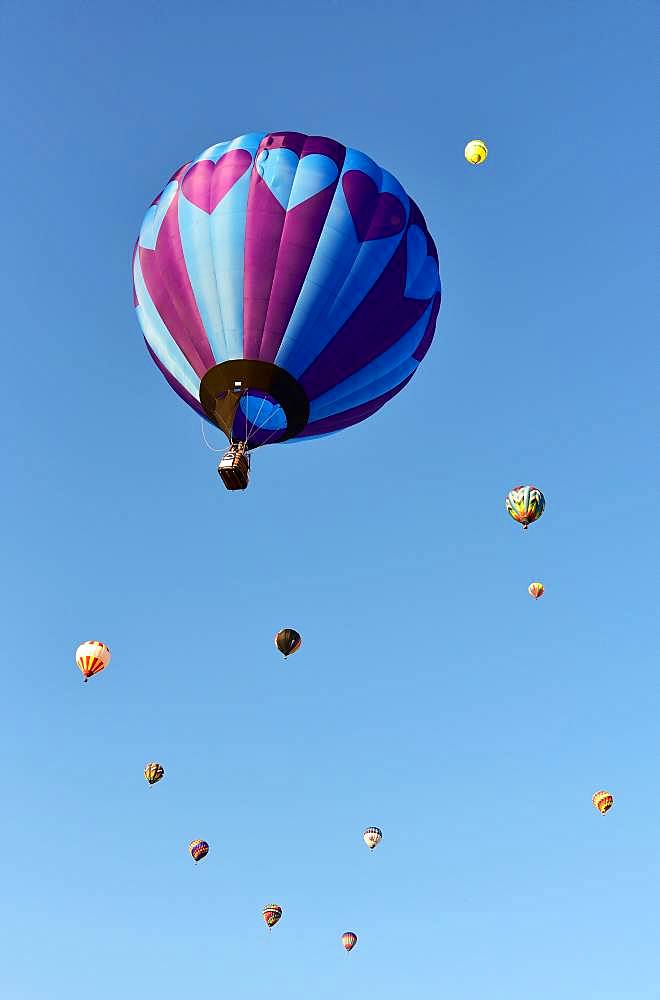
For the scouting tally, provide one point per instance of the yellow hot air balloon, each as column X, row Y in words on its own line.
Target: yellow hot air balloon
column 603, row 801
column 92, row 657
column 153, row 772
column 476, row 152
column 536, row 590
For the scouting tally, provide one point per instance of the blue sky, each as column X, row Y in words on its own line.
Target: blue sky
column 432, row 696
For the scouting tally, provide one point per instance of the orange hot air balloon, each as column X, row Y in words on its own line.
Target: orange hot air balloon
column 536, row 590
column 92, row 657
column 272, row 914
column 603, row 802
column 349, row 940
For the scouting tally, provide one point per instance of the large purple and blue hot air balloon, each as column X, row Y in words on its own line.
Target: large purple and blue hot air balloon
column 287, row 287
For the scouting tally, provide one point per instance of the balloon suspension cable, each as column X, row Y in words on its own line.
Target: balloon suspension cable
column 206, row 442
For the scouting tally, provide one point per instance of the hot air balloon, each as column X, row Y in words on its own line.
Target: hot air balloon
column 476, row 152
column 536, row 590
column 372, row 837
column 349, row 940
column 92, row 657
column 272, row 913
column 525, row 504
column 198, row 849
column 153, row 772
column 603, row 802
column 287, row 287
column 288, row 641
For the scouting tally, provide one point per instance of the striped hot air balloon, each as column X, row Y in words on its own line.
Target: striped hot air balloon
column 349, row 940
column 272, row 913
column 536, row 590
column 92, row 657
column 603, row 801
column 153, row 772
column 372, row 837
column 288, row 641
column 525, row 504
column 287, row 287
column 198, row 849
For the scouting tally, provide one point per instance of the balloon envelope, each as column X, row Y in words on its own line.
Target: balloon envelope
column 525, row 504
column 286, row 286
column 288, row 641
column 272, row 913
column 536, row 590
column 476, row 151
column 153, row 772
column 372, row 837
column 198, row 849
column 92, row 657
column 349, row 940
column 603, row 801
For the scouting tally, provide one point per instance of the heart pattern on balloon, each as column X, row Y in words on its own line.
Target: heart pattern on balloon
column 375, row 214
column 207, row 183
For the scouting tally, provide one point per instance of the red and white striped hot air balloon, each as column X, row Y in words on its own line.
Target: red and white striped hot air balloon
column 92, row 657
column 349, row 940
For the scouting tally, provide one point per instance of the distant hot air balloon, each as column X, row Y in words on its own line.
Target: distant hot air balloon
column 272, row 913
column 476, row 152
column 287, row 287
column 153, row 772
column 349, row 940
column 603, row 802
column 372, row 837
column 92, row 657
column 536, row 590
column 198, row 849
column 525, row 504
column 288, row 641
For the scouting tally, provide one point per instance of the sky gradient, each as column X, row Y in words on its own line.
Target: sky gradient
column 431, row 697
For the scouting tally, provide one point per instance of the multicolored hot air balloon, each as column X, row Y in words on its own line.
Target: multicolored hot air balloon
column 288, row 641
column 286, row 286
column 525, row 504
column 272, row 913
column 92, row 657
column 349, row 940
column 372, row 837
column 536, row 590
column 603, row 801
column 153, row 772
column 198, row 849
column 476, row 152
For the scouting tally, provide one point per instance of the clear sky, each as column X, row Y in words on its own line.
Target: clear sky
column 432, row 696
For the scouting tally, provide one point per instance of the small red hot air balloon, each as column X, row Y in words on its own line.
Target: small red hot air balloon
column 272, row 914
column 536, row 590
